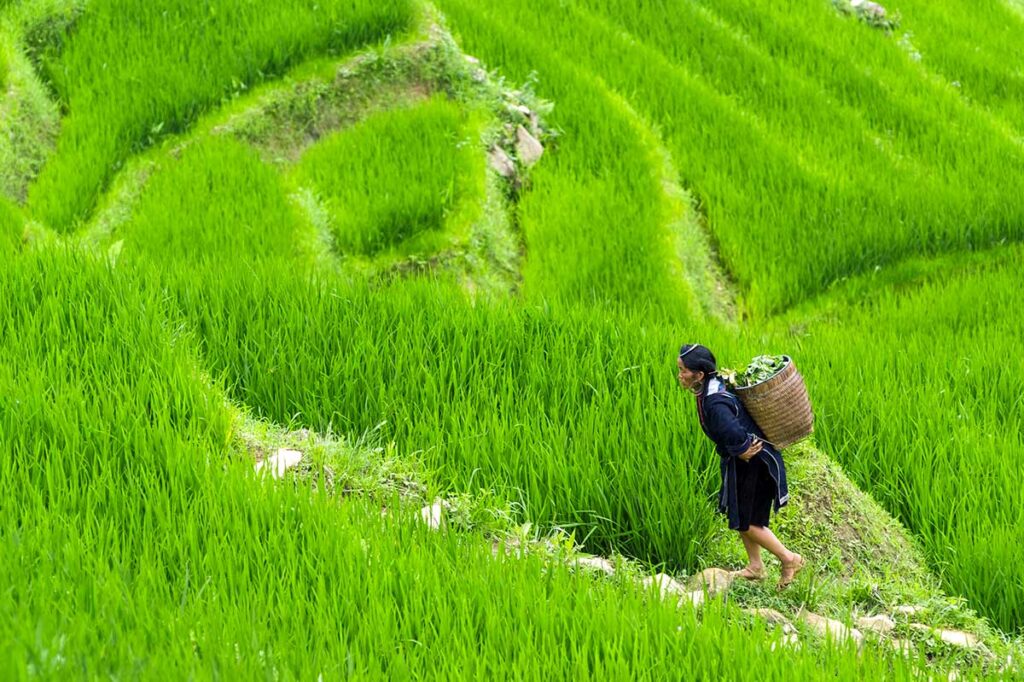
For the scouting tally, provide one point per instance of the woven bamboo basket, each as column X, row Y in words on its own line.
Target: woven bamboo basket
column 780, row 406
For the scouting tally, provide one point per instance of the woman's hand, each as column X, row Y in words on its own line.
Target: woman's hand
column 754, row 448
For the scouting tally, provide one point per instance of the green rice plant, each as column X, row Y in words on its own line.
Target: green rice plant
column 228, row 581
column 975, row 47
column 393, row 177
column 11, row 226
column 215, row 203
column 850, row 195
column 95, row 394
column 130, row 74
column 473, row 388
column 135, row 545
column 918, row 393
column 595, row 220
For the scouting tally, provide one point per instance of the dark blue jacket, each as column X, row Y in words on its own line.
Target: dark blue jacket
column 726, row 421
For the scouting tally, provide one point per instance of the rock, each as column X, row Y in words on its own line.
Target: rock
column 535, row 125
column 903, row 646
column 826, row 627
column 714, row 580
column 280, row 462
column 666, row 584
column 432, row 515
column 528, row 148
column 533, row 120
column 519, row 109
column 881, row 623
column 906, row 610
column 964, row 640
column 774, row 618
column 597, row 563
column 790, row 640
column 694, row 599
column 958, row 638
column 501, row 163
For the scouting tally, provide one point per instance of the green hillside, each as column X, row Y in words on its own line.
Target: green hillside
column 449, row 251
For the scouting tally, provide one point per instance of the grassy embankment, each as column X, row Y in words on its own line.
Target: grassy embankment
column 29, row 118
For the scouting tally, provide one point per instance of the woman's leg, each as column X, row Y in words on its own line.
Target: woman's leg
column 764, row 537
column 792, row 562
column 755, row 562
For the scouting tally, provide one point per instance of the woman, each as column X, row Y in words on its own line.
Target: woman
column 753, row 473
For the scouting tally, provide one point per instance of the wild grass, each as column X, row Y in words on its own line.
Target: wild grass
column 129, row 75
column 28, row 117
column 918, row 391
column 393, row 177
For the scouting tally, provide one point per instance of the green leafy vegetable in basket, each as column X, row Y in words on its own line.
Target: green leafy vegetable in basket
column 760, row 368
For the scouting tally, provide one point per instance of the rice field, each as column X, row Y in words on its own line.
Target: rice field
column 855, row 195
column 166, row 557
column 850, row 190
column 370, row 206
column 133, row 74
column 935, row 441
column 219, row 182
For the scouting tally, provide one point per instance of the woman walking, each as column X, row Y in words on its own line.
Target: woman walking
column 753, row 473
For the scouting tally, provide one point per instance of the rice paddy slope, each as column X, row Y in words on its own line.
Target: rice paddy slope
column 330, row 216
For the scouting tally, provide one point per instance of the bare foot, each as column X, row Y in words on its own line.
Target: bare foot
column 790, row 569
column 750, row 573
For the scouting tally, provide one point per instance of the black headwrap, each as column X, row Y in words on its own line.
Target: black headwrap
column 698, row 358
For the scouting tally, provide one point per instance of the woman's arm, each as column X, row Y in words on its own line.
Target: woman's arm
column 724, row 428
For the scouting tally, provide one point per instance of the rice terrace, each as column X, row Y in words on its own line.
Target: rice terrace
column 342, row 339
